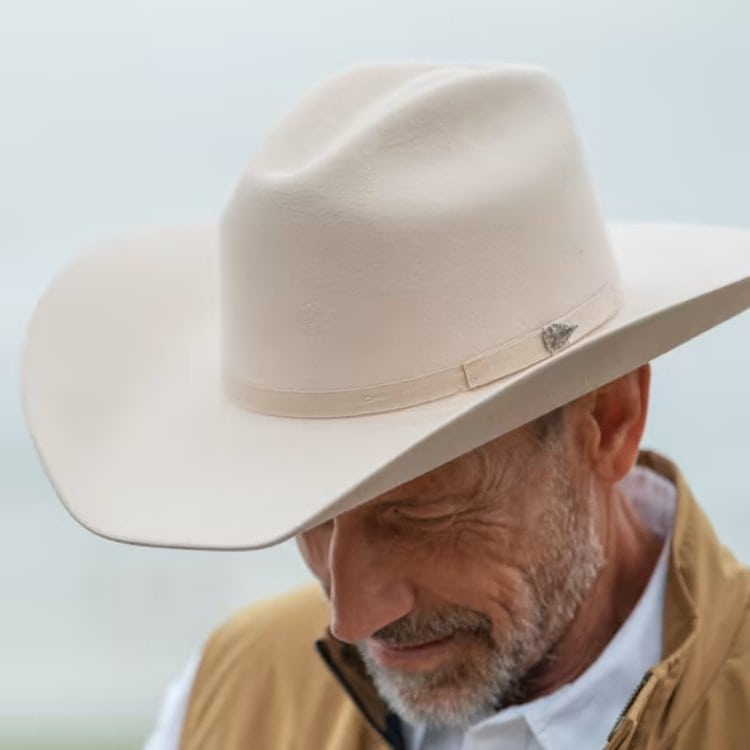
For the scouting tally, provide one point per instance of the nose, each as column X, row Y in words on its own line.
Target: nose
column 367, row 586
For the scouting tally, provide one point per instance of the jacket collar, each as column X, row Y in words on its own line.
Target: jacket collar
column 706, row 598
column 347, row 666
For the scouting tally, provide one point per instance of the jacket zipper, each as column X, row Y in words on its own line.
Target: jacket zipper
column 629, row 704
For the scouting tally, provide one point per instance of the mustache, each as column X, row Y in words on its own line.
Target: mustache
column 413, row 630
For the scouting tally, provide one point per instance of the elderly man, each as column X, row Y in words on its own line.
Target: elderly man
column 434, row 374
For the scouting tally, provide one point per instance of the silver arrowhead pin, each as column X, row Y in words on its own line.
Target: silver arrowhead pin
column 556, row 335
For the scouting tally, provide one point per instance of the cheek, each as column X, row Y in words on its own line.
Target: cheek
column 488, row 569
column 464, row 566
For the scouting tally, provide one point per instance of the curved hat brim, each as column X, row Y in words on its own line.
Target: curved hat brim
column 121, row 390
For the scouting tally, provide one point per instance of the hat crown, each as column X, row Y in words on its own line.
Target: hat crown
column 400, row 222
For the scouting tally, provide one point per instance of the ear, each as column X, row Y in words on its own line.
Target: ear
column 616, row 418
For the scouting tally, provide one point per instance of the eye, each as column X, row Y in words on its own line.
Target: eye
column 433, row 513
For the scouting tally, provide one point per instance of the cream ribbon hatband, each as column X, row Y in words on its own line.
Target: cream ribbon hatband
column 487, row 367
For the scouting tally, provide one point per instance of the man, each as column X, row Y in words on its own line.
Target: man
column 433, row 373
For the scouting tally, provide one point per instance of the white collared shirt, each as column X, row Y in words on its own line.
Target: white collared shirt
column 578, row 715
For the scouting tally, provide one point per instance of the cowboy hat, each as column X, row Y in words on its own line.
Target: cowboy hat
column 414, row 263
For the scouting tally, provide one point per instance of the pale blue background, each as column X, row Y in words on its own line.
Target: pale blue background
column 119, row 114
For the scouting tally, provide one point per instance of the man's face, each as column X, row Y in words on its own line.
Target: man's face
column 456, row 586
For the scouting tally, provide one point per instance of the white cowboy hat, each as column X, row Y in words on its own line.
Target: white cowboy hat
column 413, row 264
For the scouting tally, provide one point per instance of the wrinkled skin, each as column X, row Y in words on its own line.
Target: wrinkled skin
column 498, row 576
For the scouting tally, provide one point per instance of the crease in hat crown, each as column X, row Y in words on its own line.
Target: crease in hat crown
column 407, row 232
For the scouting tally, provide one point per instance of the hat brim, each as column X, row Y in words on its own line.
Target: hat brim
column 121, row 390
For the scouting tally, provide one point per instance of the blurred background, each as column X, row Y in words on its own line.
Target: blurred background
column 121, row 114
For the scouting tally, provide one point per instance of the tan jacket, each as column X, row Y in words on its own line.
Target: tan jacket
column 262, row 685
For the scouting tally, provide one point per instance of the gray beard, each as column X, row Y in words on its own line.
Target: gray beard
column 456, row 695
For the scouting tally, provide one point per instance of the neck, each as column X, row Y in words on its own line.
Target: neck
column 631, row 551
